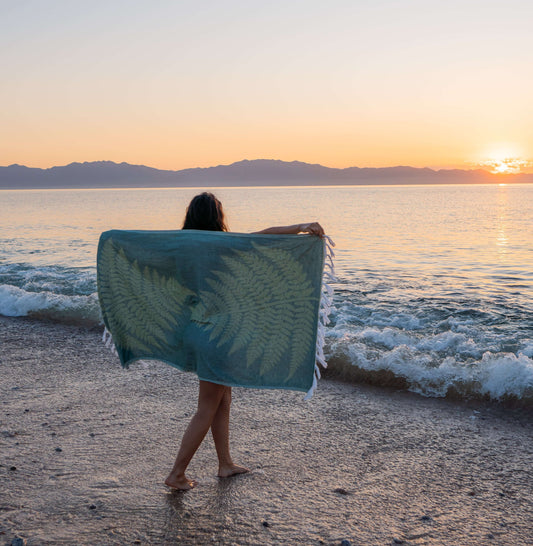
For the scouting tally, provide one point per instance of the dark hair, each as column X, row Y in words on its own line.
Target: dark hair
column 205, row 212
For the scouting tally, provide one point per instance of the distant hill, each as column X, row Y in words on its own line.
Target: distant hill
column 258, row 172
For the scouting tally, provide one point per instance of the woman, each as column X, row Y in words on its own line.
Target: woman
column 205, row 213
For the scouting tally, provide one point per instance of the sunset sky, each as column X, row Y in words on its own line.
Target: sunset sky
column 177, row 84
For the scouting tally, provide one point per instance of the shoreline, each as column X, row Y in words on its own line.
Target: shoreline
column 91, row 444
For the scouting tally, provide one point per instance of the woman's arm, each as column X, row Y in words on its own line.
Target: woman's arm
column 314, row 228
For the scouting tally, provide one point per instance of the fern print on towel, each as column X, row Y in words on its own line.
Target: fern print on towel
column 261, row 304
column 143, row 307
column 237, row 309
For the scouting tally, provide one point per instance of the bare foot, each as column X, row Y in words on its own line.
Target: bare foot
column 229, row 470
column 180, row 482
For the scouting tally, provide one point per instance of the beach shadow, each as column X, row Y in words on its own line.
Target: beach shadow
column 226, row 491
column 180, row 519
column 174, row 500
column 190, row 513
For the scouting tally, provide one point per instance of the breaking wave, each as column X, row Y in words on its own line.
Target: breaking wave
column 432, row 347
column 61, row 294
column 46, row 305
column 455, row 357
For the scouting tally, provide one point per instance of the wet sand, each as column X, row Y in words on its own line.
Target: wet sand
column 85, row 447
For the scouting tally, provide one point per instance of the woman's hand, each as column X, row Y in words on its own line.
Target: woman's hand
column 314, row 228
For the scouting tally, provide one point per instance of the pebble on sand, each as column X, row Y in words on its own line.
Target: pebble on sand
column 340, row 491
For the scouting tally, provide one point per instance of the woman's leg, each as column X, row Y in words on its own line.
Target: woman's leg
column 209, row 397
column 220, row 432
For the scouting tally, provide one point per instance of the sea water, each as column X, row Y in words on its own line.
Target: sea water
column 434, row 289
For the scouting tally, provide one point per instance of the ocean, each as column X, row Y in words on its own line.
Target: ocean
column 434, row 288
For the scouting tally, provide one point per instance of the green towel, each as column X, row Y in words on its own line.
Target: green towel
column 237, row 309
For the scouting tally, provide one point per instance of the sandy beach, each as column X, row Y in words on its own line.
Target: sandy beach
column 86, row 445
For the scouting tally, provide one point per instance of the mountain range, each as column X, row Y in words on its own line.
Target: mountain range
column 258, row 172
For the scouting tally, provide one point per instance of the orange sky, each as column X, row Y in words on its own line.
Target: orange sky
column 177, row 85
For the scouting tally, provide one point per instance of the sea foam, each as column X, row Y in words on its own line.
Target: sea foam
column 17, row 302
column 419, row 367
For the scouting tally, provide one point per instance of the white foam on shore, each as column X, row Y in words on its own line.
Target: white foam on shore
column 443, row 342
column 505, row 375
column 16, row 302
column 434, row 356
column 495, row 375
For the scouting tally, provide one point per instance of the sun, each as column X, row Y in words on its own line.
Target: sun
column 503, row 162
column 507, row 165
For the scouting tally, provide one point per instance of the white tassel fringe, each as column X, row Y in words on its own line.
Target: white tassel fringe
column 326, row 301
column 107, row 339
